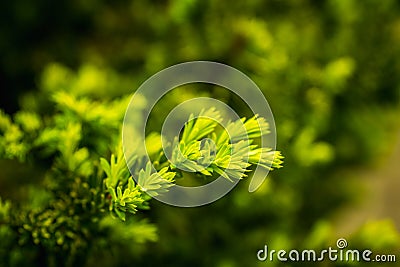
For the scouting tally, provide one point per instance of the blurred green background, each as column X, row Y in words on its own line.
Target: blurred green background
column 329, row 69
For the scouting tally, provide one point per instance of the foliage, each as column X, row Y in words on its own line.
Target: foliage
column 233, row 154
column 80, row 186
column 328, row 69
column 62, row 227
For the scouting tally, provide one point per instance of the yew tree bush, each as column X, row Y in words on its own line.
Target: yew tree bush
column 327, row 68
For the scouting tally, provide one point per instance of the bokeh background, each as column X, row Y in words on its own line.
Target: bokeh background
column 329, row 69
